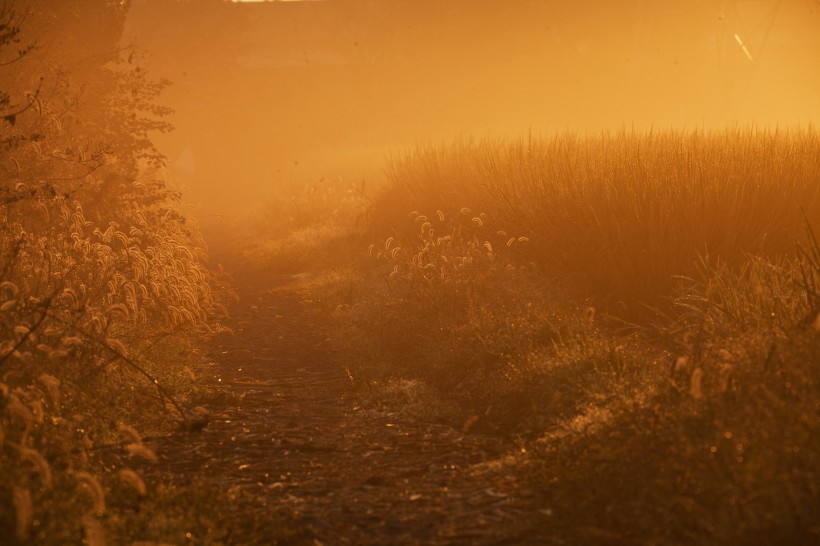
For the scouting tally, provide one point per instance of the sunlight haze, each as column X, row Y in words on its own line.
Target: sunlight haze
column 299, row 90
column 410, row 272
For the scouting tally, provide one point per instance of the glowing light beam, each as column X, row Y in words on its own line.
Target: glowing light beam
column 744, row 48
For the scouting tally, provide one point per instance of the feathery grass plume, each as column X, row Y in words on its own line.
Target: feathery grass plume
column 10, row 288
column 117, row 346
column 133, row 479
column 24, row 511
column 139, row 450
column 58, row 354
column 39, row 463
column 72, row 341
column 725, row 355
column 91, row 484
column 16, row 408
column 36, row 405
column 94, row 532
column 469, row 423
column 696, row 384
column 129, row 432
column 726, row 377
column 52, row 385
column 681, row 364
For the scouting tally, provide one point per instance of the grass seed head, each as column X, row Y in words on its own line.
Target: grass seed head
column 130, row 433
column 139, row 450
column 131, row 478
column 681, row 364
column 91, row 484
column 10, row 288
column 16, row 408
column 40, row 465
column 726, row 377
column 52, row 385
column 696, row 384
column 725, row 355
column 24, row 511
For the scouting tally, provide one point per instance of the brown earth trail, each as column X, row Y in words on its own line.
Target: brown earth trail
column 296, row 440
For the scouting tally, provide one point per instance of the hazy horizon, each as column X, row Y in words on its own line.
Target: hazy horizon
column 295, row 91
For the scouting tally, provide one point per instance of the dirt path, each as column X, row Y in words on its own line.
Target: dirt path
column 299, row 442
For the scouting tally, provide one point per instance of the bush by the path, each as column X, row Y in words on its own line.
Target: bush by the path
column 103, row 284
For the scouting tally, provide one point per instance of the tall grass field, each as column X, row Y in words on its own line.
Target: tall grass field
column 636, row 313
column 619, row 216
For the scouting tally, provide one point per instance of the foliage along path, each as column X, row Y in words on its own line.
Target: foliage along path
column 296, row 440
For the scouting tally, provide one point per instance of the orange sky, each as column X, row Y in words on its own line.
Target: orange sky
column 298, row 90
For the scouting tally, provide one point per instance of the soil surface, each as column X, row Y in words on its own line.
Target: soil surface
column 297, row 439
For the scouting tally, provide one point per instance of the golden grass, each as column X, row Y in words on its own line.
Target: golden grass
column 638, row 311
column 619, row 215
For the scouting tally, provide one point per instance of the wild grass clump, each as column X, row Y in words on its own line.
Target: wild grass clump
column 619, row 215
column 95, row 328
column 724, row 450
column 454, row 314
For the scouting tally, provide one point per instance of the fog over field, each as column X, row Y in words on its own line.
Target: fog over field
column 296, row 90
column 409, row 272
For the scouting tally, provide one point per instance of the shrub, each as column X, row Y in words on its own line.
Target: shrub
column 98, row 271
